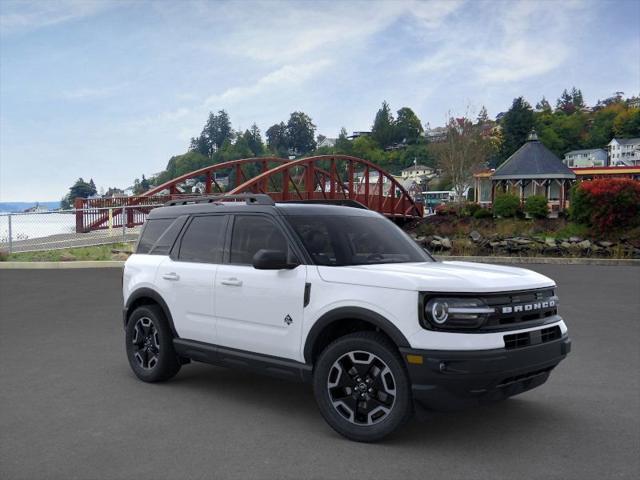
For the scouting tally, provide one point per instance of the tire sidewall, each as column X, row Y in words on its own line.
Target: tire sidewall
column 167, row 359
column 377, row 345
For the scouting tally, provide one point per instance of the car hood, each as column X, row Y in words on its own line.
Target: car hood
column 459, row 277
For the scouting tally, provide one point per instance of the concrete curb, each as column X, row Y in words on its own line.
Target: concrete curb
column 61, row 265
column 444, row 258
column 612, row 262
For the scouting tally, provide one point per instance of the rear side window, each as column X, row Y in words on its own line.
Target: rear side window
column 203, row 240
column 153, row 229
column 253, row 233
column 167, row 239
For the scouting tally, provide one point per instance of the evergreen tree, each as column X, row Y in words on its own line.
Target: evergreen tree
column 343, row 144
column 565, row 103
column 517, row 123
column 483, row 116
column 382, row 130
column 216, row 131
column 253, row 139
column 576, row 99
column 543, row 106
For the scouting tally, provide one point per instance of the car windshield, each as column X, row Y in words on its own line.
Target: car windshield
column 341, row 240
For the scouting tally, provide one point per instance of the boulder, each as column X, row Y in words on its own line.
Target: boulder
column 446, row 244
column 475, row 236
column 605, row 244
column 585, row 244
column 550, row 241
column 575, row 239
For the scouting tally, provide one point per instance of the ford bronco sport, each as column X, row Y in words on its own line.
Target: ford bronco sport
column 339, row 297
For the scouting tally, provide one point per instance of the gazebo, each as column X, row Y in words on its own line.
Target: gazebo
column 532, row 170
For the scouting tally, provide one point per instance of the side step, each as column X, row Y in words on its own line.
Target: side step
column 233, row 358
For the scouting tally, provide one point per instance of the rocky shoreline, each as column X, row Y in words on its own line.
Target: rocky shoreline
column 476, row 244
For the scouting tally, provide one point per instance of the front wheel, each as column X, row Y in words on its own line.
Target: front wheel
column 150, row 345
column 362, row 387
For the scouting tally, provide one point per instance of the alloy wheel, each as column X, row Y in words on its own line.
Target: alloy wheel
column 361, row 387
column 146, row 343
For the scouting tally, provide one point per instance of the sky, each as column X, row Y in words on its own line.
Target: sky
column 110, row 90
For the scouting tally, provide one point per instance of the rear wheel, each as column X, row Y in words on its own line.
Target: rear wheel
column 149, row 343
column 362, row 387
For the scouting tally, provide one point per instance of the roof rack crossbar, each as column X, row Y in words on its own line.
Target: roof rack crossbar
column 249, row 198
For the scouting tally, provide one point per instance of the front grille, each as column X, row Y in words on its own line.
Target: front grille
column 535, row 337
column 516, row 301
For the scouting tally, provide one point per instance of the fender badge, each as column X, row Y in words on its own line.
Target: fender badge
column 288, row 320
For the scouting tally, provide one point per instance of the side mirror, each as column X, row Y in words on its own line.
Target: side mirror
column 272, row 260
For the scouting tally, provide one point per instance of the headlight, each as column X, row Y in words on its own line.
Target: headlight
column 456, row 312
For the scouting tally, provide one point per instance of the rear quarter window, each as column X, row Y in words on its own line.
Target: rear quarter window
column 151, row 232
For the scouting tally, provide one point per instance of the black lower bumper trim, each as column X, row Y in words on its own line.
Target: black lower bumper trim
column 448, row 380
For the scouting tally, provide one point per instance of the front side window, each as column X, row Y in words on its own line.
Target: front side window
column 203, row 240
column 252, row 233
column 341, row 240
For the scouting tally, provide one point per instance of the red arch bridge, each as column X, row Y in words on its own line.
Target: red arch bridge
column 323, row 177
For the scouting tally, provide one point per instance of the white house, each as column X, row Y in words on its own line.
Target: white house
column 594, row 157
column 624, row 152
column 327, row 142
column 417, row 172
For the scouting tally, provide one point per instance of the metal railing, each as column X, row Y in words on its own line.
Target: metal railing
column 58, row 229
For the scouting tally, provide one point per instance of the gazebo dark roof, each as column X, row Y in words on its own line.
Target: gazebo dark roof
column 533, row 160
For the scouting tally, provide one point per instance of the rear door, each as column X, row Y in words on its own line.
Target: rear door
column 259, row 310
column 187, row 277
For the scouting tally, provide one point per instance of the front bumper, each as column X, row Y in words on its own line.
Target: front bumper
column 448, row 380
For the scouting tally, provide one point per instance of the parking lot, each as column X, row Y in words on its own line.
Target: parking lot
column 71, row 408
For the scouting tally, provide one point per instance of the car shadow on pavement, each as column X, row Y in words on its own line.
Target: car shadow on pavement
column 511, row 420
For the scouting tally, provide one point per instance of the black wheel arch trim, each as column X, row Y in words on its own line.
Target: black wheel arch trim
column 152, row 295
column 352, row 313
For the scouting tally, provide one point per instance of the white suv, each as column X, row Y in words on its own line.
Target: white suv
column 337, row 296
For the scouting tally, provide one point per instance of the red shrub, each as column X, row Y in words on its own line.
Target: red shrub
column 607, row 204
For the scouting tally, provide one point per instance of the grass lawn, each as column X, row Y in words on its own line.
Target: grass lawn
column 97, row 252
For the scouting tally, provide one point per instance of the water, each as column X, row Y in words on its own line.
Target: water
column 36, row 225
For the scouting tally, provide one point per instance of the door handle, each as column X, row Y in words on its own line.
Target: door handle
column 231, row 282
column 171, row 276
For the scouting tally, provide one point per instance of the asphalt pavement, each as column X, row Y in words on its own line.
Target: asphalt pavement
column 71, row 408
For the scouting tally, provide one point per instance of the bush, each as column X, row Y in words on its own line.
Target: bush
column 446, row 209
column 606, row 203
column 536, row 206
column 483, row 213
column 469, row 209
column 506, row 205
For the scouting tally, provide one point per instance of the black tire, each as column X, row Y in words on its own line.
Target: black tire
column 363, row 414
column 149, row 344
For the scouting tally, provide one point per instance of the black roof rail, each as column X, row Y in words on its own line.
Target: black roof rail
column 344, row 202
column 249, row 198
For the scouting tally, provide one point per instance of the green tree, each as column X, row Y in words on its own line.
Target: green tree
column 627, row 124
column 343, row 144
column 544, row 106
column 565, row 103
column 408, row 126
column 216, row 131
column 383, row 130
column 80, row 189
column 277, row 139
column 367, row 148
column 253, row 138
column 577, row 99
column 517, row 123
column 483, row 116
column 301, row 133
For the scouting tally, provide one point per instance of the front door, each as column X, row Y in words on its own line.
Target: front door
column 259, row 310
column 187, row 278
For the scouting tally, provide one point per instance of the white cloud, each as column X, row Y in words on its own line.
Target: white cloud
column 25, row 15
column 285, row 77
